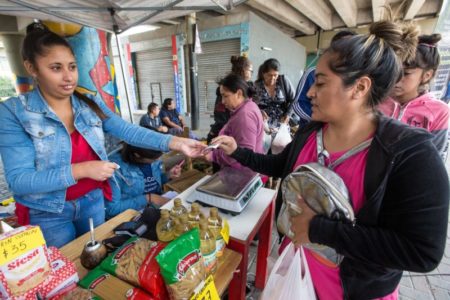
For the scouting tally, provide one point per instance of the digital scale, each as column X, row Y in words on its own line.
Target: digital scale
column 229, row 189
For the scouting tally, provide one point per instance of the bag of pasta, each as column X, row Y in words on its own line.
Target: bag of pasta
column 182, row 265
column 135, row 263
column 77, row 293
column 106, row 286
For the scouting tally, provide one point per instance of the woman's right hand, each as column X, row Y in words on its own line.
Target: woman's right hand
column 226, row 143
column 265, row 116
column 94, row 169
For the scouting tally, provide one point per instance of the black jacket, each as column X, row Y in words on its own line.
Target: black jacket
column 403, row 223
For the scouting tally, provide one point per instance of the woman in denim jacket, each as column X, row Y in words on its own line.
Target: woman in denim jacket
column 140, row 179
column 52, row 143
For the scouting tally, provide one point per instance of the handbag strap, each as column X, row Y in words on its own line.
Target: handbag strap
column 322, row 153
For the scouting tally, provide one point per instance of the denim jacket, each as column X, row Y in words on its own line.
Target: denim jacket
column 129, row 193
column 36, row 148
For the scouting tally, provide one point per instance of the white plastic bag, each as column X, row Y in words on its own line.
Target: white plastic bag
column 282, row 138
column 290, row 277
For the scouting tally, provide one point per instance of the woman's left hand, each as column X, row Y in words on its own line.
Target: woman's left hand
column 189, row 147
column 300, row 223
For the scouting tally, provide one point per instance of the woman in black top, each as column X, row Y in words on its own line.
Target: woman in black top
column 401, row 182
column 274, row 93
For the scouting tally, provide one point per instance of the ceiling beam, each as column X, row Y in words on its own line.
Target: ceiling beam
column 413, row 8
column 105, row 9
column 347, row 10
column 317, row 11
column 148, row 17
column 283, row 12
column 378, row 8
column 55, row 14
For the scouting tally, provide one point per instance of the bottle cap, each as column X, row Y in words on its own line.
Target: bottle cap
column 214, row 212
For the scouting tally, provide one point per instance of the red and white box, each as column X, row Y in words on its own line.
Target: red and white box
column 64, row 275
column 24, row 263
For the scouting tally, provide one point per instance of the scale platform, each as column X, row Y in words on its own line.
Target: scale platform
column 229, row 190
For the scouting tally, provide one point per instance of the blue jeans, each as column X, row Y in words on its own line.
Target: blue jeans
column 61, row 228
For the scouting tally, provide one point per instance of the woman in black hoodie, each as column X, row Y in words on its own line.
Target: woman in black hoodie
column 398, row 184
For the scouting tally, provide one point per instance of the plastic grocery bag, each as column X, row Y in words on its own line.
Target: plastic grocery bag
column 282, row 138
column 290, row 277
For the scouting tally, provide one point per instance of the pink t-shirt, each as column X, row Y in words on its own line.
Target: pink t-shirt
column 326, row 279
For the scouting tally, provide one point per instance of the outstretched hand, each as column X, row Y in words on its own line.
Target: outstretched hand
column 226, row 143
column 189, row 147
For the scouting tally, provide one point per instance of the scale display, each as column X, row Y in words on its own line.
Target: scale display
column 229, row 189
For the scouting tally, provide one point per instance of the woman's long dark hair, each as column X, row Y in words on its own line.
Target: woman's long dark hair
column 37, row 43
column 270, row 64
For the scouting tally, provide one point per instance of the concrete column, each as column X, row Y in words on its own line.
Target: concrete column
column 13, row 44
column 193, row 72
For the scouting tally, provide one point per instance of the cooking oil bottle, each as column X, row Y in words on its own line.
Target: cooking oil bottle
column 165, row 227
column 208, row 247
column 215, row 225
column 181, row 225
column 178, row 209
column 194, row 215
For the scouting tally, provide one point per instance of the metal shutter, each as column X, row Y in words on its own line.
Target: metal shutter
column 155, row 76
column 213, row 64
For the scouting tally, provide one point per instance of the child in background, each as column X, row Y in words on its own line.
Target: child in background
column 140, row 179
column 410, row 101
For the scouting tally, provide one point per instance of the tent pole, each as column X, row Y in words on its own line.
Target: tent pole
column 125, row 82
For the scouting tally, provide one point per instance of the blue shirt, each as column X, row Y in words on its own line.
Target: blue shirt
column 302, row 104
column 148, row 121
column 36, row 149
column 130, row 190
column 151, row 184
column 171, row 114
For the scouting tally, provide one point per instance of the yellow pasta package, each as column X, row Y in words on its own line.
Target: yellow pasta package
column 135, row 263
column 107, row 286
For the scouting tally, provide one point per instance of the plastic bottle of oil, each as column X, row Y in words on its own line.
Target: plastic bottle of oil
column 208, row 247
column 178, row 209
column 215, row 225
column 181, row 225
column 194, row 215
column 165, row 227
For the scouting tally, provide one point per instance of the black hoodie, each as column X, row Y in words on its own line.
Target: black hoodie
column 402, row 224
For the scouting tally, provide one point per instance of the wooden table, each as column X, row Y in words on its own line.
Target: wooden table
column 257, row 217
column 225, row 271
column 182, row 183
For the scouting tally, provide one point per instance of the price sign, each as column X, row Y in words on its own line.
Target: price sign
column 20, row 243
column 225, row 231
column 208, row 291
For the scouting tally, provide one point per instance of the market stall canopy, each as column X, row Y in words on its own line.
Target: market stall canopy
column 111, row 15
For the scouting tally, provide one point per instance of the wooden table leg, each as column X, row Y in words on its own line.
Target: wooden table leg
column 265, row 239
column 237, row 285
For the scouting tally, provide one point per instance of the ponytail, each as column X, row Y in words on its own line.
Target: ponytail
column 92, row 105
